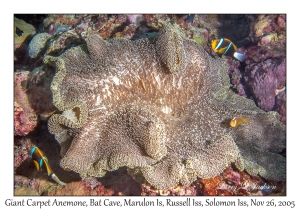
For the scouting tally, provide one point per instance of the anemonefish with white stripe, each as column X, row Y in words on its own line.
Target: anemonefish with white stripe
column 238, row 120
column 224, row 46
column 41, row 161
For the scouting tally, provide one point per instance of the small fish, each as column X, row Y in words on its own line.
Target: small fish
column 19, row 32
column 236, row 121
column 224, row 46
column 61, row 29
column 41, row 161
column 190, row 18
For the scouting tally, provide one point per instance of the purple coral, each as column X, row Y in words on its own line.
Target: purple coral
column 262, row 81
column 235, row 177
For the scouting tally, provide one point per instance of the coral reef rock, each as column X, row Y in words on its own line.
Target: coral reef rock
column 161, row 108
column 25, row 118
column 37, row 44
column 39, row 93
column 25, row 191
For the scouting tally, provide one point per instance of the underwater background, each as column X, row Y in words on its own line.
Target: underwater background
column 261, row 77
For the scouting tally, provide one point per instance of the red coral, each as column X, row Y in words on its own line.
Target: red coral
column 211, row 187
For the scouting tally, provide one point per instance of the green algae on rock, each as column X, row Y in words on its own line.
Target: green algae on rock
column 161, row 109
column 22, row 30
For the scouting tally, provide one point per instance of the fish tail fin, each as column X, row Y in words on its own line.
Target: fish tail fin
column 246, row 120
column 55, row 178
column 240, row 56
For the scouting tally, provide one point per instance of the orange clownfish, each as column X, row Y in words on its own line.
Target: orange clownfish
column 236, row 121
column 224, row 46
column 41, row 161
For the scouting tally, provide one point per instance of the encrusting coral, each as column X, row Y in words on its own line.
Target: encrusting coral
column 37, row 44
column 162, row 109
column 25, row 118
